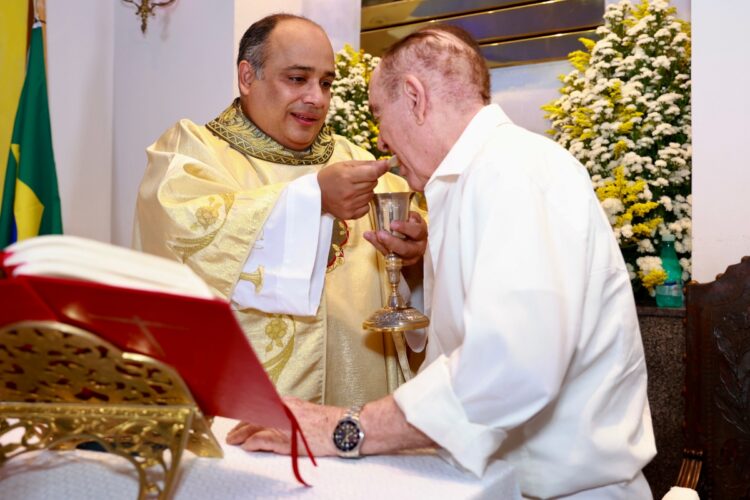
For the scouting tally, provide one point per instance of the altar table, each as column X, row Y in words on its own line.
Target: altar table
column 89, row 475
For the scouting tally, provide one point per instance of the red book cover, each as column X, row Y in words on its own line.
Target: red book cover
column 200, row 338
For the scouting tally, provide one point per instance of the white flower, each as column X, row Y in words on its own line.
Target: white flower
column 634, row 97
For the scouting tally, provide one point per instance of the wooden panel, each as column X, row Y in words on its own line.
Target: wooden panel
column 408, row 11
column 534, row 50
column 512, row 32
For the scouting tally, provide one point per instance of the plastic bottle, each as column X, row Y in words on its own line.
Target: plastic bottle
column 669, row 293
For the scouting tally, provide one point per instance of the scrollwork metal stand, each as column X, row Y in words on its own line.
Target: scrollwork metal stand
column 63, row 386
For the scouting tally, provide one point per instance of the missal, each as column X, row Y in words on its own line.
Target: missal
column 146, row 304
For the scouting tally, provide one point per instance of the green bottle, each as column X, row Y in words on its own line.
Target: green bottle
column 669, row 293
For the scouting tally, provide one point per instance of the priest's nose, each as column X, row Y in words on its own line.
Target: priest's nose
column 315, row 96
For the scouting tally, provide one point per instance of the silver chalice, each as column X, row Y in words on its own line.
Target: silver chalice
column 396, row 316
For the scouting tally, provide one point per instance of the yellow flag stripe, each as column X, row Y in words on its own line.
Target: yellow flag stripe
column 13, row 32
column 28, row 211
column 15, row 150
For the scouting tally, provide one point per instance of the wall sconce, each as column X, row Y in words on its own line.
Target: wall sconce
column 146, row 9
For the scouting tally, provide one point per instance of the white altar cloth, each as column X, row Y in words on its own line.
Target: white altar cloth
column 88, row 475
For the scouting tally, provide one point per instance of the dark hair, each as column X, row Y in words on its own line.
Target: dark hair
column 255, row 40
column 446, row 50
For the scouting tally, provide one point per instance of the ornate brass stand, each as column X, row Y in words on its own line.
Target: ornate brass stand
column 63, row 386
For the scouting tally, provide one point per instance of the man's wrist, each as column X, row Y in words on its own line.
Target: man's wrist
column 348, row 435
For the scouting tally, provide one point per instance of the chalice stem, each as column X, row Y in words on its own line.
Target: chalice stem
column 393, row 264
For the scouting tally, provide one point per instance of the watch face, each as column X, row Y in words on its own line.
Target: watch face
column 346, row 436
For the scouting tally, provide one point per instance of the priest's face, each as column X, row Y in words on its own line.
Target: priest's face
column 289, row 99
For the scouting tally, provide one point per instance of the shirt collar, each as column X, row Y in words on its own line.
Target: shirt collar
column 468, row 144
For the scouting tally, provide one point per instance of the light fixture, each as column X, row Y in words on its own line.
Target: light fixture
column 146, row 8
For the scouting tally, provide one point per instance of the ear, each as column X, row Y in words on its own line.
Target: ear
column 245, row 76
column 416, row 97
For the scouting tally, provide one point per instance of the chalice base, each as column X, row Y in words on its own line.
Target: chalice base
column 396, row 319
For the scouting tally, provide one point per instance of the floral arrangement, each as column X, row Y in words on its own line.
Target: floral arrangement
column 624, row 112
column 349, row 114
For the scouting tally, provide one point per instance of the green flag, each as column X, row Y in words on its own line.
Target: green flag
column 30, row 202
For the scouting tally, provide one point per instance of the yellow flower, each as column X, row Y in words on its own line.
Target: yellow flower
column 653, row 278
column 628, row 192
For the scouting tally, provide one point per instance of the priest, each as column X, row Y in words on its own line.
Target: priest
column 269, row 208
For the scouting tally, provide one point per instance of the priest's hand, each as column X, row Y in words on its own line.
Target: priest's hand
column 346, row 188
column 316, row 421
column 411, row 248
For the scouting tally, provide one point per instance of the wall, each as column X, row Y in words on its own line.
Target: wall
column 181, row 68
column 721, row 166
column 80, row 48
column 340, row 19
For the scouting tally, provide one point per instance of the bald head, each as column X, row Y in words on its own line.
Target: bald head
column 444, row 56
column 254, row 43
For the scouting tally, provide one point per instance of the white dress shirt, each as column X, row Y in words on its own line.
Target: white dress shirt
column 534, row 352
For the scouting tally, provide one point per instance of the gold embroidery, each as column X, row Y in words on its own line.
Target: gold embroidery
column 339, row 239
column 207, row 215
column 256, row 278
column 187, row 247
column 276, row 330
column 243, row 135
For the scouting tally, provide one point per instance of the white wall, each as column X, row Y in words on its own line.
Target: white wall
column 181, row 68
column 340, row 18
column 80, row 48
column 721, row 165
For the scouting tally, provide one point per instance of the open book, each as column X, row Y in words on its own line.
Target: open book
column 146, row 304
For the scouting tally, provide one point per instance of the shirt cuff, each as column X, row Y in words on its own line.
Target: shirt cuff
column 429, row 404
column 292, row 258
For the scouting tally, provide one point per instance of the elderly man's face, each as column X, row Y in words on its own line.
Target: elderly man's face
column 290, row 101
column 399, row 133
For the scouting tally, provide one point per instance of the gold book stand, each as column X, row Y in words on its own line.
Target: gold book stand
column 61, row 386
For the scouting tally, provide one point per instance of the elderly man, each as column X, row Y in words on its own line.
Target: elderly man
column 534, row 354
column 269, row 208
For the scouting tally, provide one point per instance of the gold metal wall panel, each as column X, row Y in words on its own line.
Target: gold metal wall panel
column 534, row 50
column 540, row 30
column 384, row 14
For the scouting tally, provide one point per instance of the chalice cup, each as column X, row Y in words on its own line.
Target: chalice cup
column 396, row 316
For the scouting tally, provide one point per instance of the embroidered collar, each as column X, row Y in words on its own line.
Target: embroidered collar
column 243, row 135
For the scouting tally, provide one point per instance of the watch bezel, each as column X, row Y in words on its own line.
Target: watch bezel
column 353, row 420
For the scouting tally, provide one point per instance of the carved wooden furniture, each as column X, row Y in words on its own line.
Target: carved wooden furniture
column 717, row 397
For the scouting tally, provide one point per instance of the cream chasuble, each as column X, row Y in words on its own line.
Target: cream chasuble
column 204, row 198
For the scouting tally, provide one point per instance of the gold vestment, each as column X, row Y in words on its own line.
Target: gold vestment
column 205, row 196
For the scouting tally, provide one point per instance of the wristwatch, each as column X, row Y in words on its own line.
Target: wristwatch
column 348, row 434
